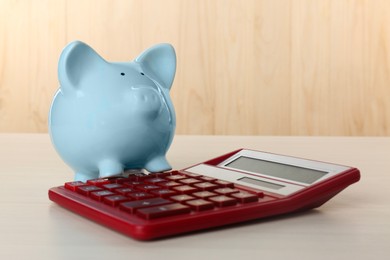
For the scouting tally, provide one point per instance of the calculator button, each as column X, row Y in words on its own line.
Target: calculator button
column 226, row 191
column 161, row 174
column 114, row 200
column 99, row 195
column 206, row 186
column 207, row 178
column 169, row 184
column 224, row 183
column 245, row 197
column 182, row 198
column 140, row 195
column 192, row 175
column 112, row 186
column 199, row 204
column 204, row 194
column 98, row 182
column 123, row 180
column 155, row 180
column 163, row 211
column 132, row 184
column 164, row 193
column 223, row 201
column 85, row 190
column 175, row 177
column 74, row 184
column 185, row 189
column 124, row 191
column 189, row 181
column 147, row 187
column 132, row 206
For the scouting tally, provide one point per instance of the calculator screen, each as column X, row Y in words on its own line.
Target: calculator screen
column 279, row 170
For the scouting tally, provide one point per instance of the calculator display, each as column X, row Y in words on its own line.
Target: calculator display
column 279, row 170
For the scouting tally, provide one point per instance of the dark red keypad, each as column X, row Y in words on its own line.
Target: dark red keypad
column 160, row 195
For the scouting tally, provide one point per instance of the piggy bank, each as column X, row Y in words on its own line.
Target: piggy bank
column 110, row 117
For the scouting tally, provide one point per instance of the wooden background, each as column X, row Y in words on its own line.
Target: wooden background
column 262, row 67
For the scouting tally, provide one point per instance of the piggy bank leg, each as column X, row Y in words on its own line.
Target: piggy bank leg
column 158, row 164
column 109, row 168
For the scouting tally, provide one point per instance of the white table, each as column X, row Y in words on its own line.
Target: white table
column 353, row 225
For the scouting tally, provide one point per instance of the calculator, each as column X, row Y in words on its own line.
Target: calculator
column 239, row 186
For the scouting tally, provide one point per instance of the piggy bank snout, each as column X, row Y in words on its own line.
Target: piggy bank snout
column 145, row 99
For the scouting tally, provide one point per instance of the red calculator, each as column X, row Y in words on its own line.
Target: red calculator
column 239, row 186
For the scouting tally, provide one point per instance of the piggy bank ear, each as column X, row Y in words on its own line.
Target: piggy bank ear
column 76, row 61
column 159, row 63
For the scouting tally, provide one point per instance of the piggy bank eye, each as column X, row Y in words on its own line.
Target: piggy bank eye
column 122, row 73
column 142, row 73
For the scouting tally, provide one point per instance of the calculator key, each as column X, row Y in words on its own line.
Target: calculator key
column 132, row 206
column 189, row 181
column 155, row 180
column 86, row 190
column 114, row 200
column 98, row 182
column 226, row 191
column 192, row 175
column 224, row 183
column 140, row 195
column 174, row 172
column 163, row 211
column 245, row 197
column 207, row 178
column 175, row 177
column 123, row 180
column 99, row 195
column 125, row 190
column 74, row 184
column 258, row 193
column 112, row 186
column 185, row 189
column 204, row 194
column 164, row 193
column 147, row 187
column 223, row 201
column 169, row 184
column 162, row 174
column 206, row 186
column 182, row 198
column 132, row 184
column 199, row 204
column 139, row 176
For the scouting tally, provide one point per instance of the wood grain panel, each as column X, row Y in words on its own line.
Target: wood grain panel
column 254, row 67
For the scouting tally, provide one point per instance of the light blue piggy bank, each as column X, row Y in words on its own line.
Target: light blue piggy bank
column 109, row 117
